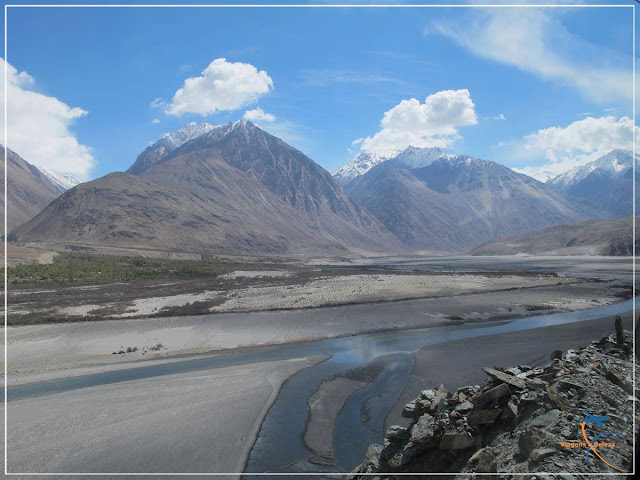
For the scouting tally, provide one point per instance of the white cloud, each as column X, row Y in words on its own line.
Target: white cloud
column 38, row 126
column 155, row 121
column 500, row 117
column 433, row 123
column 327, row 77
column 535, row 40
column 222, row 86
column 258, row 115
column 158, row 103
column 576, row 144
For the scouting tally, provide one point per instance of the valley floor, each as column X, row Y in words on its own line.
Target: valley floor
column 237, row 370
column 298, row 286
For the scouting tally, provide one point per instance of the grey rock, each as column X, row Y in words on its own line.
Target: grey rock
column 422, row 433
column 556, row 354
column 487, row 463
column 409, row 409
column 531, row 439
column 464, row 407
column 510, row 410
column 372, row 457
column 483, row 417
column 428, row 394
column 492, row 394
column 456, row 441
column 399, row 459
column 396, row 431
column 552, row 416
column 540, row 454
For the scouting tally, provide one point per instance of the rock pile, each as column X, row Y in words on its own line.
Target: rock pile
column 523, row 420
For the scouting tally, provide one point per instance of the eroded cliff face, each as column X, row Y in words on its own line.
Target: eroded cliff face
column 523, row 420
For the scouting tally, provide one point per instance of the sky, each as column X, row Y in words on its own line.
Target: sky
column 540, row 90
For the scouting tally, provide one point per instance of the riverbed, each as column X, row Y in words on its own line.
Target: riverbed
column 295, row 391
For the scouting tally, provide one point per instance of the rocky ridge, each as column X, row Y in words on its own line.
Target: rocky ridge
column 29, row 190
column 523, row 420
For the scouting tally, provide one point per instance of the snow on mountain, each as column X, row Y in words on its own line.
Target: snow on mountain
column 155, row 153
column 606, row 184
column 411, row 157
column 63, row 181
column 414, row 157
column 191, row 131
column 610, row 166
column 361, row 164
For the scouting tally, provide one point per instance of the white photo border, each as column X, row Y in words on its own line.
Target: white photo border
column 631, row 6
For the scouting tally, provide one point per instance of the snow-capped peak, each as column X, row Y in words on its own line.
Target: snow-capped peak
column 191, row 131
column 610, row 165
column 362, row 163
column 410, row 157
column 63, row 181
column 414, row 157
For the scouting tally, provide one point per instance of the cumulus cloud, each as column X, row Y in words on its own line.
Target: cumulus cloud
column 536, row 41
column 433, row 123
column 38, row 126
column 258, row 115
column 221, row 86
column 576, row 144
column 155, row 121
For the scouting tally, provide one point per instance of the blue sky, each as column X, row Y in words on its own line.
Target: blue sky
column 521, row 81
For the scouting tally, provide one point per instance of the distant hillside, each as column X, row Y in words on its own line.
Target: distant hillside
column 451, row 203
column 233, row 188
column 29, row 190
column 606, row 183
column 591, row 237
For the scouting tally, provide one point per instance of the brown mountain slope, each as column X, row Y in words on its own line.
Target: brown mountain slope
column 28, row 190
column 456, row 203
column 204, row 198
column 591, row 237
column 287, row 173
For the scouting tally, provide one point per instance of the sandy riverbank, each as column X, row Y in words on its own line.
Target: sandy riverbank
column 143, row 425
column 42, row 352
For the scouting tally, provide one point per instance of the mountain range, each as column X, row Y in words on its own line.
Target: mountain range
column 606, row 183
column 233, row 188
column 236, row 188
column 442, row 202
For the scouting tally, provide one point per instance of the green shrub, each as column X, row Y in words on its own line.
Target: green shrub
column 86, row 268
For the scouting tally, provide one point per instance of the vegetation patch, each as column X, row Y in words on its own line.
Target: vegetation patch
column 190, row 308
column 86, row 268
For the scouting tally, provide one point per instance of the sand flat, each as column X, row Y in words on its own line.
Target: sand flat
column 324, row 406
column 143, row 425
column 346, row 289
